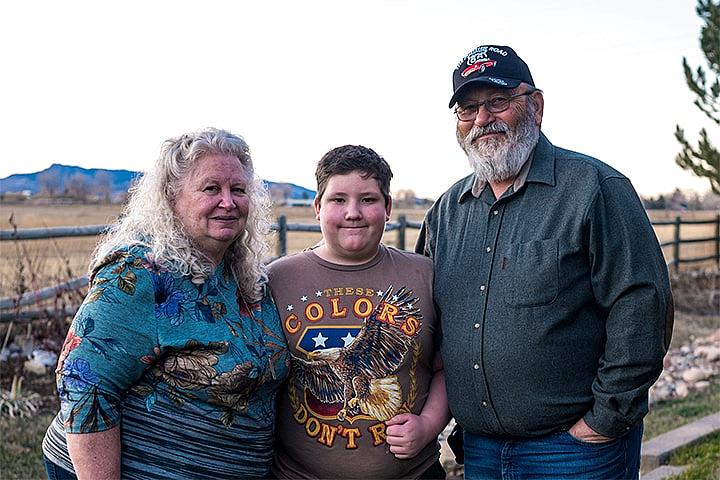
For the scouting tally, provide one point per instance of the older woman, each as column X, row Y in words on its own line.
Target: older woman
column 172, row 363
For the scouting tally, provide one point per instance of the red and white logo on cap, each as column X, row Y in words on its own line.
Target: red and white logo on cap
column 481, row 66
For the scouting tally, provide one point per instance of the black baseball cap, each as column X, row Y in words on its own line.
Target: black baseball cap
column 495, row 65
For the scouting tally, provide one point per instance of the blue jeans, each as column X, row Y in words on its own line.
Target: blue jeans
column 56, row 472
column 559, row 455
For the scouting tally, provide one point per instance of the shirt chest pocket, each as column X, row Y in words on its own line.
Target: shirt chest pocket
column 530, row 273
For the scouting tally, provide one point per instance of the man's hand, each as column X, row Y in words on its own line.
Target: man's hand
column 584, row 433
column 407, row 434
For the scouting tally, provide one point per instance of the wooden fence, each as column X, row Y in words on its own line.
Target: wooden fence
column 676, row 259
column 10, row 306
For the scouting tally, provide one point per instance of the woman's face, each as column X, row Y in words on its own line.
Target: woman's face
column 213, row 204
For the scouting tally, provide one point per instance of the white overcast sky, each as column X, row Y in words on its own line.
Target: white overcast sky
column 101, row 84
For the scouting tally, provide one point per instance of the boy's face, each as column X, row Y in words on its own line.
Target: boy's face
column 352, row 214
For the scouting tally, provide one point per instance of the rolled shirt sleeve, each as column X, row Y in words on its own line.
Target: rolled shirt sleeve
column 630, row 283
column 108, row 346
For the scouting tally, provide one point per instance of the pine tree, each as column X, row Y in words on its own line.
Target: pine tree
column 704, row 160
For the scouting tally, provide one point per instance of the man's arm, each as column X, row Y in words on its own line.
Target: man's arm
column 408, row 434
column 630, row 284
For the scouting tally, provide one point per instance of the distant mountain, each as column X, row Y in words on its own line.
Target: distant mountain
column 59, row 178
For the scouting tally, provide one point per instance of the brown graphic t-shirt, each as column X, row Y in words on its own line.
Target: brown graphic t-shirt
column 361, row 338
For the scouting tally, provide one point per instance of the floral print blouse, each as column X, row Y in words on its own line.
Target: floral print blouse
column 187, row 370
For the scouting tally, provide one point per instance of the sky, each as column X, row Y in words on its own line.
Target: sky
column 102, row 84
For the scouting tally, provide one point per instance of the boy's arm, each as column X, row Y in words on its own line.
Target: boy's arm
column 408, row 434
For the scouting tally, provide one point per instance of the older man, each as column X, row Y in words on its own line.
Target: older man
column 555, row 304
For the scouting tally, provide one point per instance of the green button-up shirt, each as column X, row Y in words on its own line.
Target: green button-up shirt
column 554, row 299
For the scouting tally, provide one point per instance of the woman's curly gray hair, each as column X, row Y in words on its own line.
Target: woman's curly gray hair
column 148, row 217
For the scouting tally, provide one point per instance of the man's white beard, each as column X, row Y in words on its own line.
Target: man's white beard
column 500, row 157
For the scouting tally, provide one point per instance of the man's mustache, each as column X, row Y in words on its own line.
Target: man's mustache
column 495, row 127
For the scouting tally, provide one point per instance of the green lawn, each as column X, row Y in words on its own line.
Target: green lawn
column 21, row 445
column 703, row 460
column 665, row 416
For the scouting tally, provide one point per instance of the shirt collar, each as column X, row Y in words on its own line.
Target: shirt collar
column 539, row 167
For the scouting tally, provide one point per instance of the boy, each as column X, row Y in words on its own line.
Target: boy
column 367, row 395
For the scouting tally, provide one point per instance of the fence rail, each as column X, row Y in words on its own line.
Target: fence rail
column 677, row 240
column 10, row 306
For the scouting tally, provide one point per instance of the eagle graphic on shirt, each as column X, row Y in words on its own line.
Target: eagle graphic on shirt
column 361, row 375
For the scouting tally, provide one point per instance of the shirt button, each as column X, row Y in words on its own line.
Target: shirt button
column 495, row 212
column 482, row 288
column 477, row 325
column 476, row 366
column 484, row 403
column 487, row 249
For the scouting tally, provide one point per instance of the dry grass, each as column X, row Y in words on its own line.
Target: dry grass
column 40, row 262
column 50, row 261
column 65, row 257
column 666, row 233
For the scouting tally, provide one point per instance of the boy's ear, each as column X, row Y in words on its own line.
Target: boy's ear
column 316, row 205
column 388, row 208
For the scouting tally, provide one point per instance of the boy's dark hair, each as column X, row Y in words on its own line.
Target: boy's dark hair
column 351, row 158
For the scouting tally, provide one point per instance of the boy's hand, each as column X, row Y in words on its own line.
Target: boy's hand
column 407, row 434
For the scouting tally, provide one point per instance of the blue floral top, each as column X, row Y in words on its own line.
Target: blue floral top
column 189, row 372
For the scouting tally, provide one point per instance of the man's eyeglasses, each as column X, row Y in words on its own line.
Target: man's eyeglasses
column 494, row 104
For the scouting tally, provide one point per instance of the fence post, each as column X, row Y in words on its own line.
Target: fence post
column 676, row 244
column 402, row 222
column 717, row 239
column 282, row 236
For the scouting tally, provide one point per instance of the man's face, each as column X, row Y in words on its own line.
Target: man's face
column 511, row 117
column 497, row 144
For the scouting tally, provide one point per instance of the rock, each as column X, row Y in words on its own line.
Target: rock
column 45, row 357
column 710, row 353
column 696, row 374
column 667, row 361
column 702, row 385
column 34, row 366
column 660, row 393
column 681, row 390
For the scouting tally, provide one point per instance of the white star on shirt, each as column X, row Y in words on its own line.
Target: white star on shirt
column 318, row 293
column 290, row 308
column 319, row 340
column 303, row 298
column 347, row 339
column 380, row 293
column 394, row 298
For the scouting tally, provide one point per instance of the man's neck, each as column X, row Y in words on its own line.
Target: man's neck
column 499, row 188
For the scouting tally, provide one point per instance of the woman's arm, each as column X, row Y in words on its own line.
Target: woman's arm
column 111, row 341
column 95, row 455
